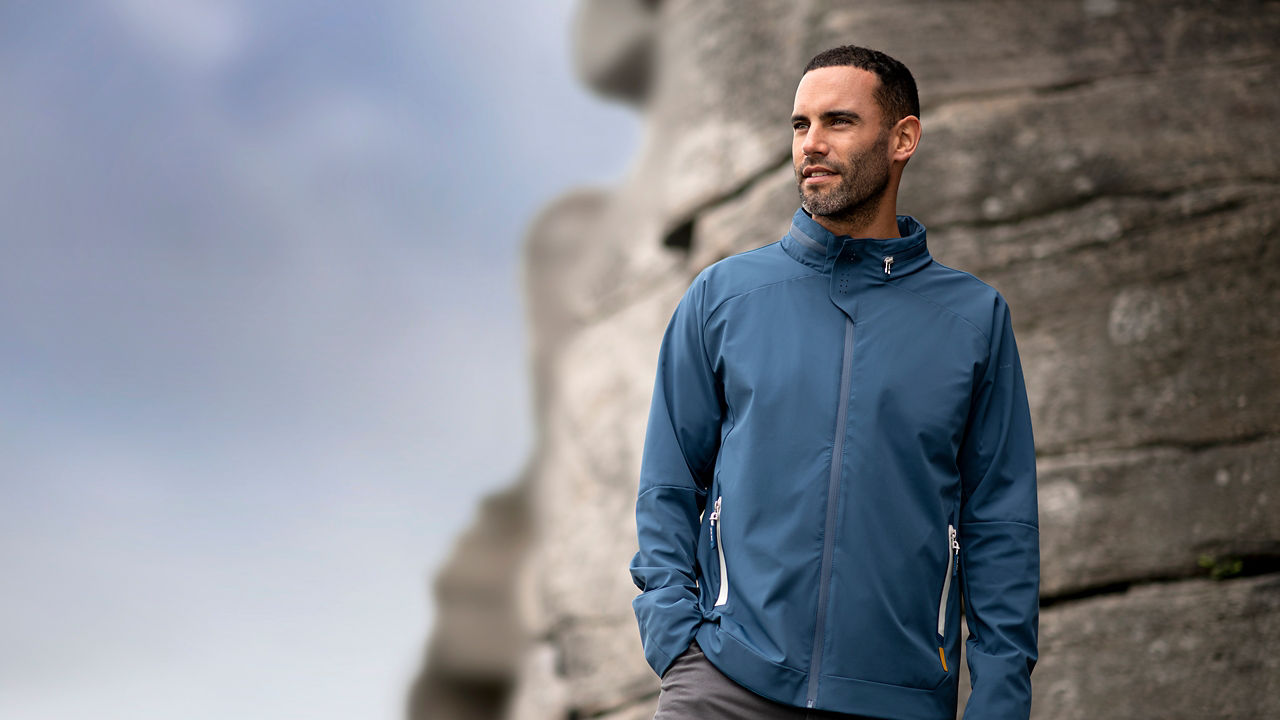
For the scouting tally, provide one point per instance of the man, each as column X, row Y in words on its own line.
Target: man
column 838, row 449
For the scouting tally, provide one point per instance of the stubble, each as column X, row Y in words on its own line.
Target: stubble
column 855, row 201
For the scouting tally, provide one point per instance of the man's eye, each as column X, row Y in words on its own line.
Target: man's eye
column 799, row 126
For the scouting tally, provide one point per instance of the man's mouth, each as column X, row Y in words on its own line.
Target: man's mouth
column 815, row 174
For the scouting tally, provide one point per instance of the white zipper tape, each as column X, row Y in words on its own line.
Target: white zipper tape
column 723, row 597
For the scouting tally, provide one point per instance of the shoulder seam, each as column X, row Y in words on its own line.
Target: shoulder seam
column 940, row 306
column 735, row 296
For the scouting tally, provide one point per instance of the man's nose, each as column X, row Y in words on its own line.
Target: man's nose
column 814, row 143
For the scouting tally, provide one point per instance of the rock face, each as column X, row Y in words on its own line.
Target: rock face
column 1111, row 166
column 477, row 645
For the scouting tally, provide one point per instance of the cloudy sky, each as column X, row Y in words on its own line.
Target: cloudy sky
column 261, row 347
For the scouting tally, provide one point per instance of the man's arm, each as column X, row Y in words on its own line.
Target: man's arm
column 999, row 535
column 679, row 457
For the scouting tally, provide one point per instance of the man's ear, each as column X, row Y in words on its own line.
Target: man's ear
column 904, row 138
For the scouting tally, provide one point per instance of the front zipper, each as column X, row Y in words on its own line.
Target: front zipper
column 833, row 497
column 718, row 545
column 953, row 555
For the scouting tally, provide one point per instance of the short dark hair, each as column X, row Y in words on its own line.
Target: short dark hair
column 896, row 93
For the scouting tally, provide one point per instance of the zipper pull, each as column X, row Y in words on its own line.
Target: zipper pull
column 715, row 515
column 888, row 265
column 955, row 549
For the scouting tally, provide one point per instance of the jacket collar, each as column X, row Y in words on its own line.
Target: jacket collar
column 887, row 258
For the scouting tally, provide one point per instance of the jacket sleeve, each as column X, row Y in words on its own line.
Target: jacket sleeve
column 999, row 535
column 679, row 457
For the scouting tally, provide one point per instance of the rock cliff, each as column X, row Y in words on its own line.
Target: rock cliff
column 1110, row 165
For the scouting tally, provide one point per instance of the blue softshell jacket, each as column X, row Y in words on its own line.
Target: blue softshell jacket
column 838, row 449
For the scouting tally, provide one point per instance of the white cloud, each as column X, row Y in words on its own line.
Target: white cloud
column 198, row 35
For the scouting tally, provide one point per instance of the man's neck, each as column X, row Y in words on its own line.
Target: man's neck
column 876, row 218
column 880, row 228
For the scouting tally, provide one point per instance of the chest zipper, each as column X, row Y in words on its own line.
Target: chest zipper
column 718, row 546
column 833, row 500
column 953, row 569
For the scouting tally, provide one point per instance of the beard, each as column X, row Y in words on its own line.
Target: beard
column 856, row 198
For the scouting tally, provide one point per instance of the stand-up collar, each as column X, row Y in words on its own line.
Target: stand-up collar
column 886, row 258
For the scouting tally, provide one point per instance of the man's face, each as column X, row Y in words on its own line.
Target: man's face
column 840, row 146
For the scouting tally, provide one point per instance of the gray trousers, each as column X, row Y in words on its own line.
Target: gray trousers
column 693, row 688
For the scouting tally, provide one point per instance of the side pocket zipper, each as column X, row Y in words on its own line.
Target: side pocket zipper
column 716, row 543
column 953, row 555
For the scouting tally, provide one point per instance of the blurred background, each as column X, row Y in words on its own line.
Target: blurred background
column 261, row 344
